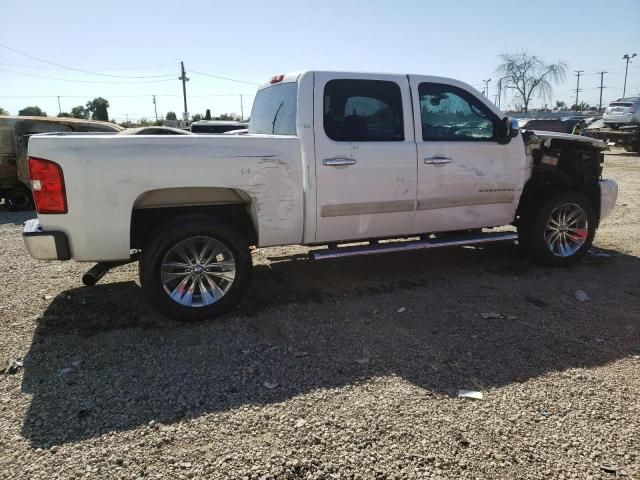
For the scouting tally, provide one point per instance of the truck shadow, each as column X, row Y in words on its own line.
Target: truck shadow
column 101, row 360
column 15, row 218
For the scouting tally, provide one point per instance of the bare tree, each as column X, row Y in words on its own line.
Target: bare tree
column 530, row 76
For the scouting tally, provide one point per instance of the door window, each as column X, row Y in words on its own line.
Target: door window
column 452, row 114
column 363, row 111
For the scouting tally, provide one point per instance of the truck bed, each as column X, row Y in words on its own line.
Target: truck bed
column 107, row 177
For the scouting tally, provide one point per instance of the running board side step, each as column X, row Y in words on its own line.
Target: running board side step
column 391, row 247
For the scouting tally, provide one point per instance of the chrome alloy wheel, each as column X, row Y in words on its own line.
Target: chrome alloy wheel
column 198, row 271
column 566, row 230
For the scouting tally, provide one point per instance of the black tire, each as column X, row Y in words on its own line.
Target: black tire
column 532, row 227
column 169, row 237
column 19, row 198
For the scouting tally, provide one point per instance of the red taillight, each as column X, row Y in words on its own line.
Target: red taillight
column 47, row 185
column 277, row 78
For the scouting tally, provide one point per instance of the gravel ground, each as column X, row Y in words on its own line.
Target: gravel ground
column 334, row 370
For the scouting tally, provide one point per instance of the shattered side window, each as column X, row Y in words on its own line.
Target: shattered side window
column 449, row 113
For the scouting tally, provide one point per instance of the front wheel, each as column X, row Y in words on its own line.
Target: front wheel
column 194, row 269
column 560, row 231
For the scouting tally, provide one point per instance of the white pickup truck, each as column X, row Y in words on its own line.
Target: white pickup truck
column 330, row 158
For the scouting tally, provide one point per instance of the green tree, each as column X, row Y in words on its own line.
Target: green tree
column 32, row 112
column 79, row 112
column 64, row 114
column 227, row 116
column 530, row 76
column 171, row 116
column 207, row 115
column 98, row 108
column 581, row 107
column 196, row 118
column 3, row 111
column 560, row 105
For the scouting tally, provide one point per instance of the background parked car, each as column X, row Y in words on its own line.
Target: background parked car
column 154, row 130
column 217, row 126
column 14, row 139
column 624, row 111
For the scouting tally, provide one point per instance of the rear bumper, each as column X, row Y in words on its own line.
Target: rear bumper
column 628, row 118
column 45, row 245
column 608, row 197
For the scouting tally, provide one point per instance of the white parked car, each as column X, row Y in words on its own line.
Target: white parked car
column 330, row 158
column 624, row 111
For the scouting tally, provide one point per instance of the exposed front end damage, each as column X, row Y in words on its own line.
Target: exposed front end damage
column 568, row 162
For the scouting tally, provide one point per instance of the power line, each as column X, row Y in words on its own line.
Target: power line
column 43, row 67
column 130, row 96
column 78, row 69
column 223, row 95
column 84, row 81
column 223, row 78
column 85, row 96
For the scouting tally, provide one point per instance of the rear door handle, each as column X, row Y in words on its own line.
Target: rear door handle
column 338, row 161
column 437, row 160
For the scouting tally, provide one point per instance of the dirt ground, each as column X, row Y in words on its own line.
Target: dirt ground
column 333, row 370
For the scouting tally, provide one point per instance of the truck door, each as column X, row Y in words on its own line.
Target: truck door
column 466, row 179
column 365, row 156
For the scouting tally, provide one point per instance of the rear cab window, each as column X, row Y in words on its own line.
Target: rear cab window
column 274, row 110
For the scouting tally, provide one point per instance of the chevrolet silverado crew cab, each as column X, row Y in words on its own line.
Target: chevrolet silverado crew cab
column 360, row 163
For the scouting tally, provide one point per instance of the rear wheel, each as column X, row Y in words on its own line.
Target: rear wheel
column 194, row 269
column 560, row 231
column 19, row 198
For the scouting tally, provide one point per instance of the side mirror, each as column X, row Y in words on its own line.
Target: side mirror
column 507, row 129
column 514, row 129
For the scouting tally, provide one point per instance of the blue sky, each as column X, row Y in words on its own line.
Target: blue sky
column 253, row 40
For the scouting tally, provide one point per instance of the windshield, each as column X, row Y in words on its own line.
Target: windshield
column 274, row 110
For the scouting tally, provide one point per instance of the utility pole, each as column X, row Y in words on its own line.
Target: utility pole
column 499, row 92
column 59, row 109
column 241, row 109
column 184, row 79
column 628, row 58
column 486, row 87
column 578, row 73
column 601, row 87
column 155, row 107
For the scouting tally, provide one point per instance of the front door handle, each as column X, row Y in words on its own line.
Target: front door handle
column 338, row 161
column 437, row 160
